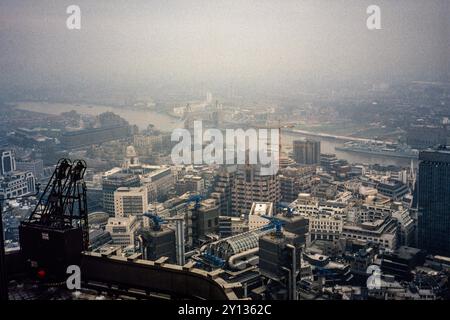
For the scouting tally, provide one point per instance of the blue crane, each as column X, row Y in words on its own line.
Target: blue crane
column 289, row 210
column 274, row 223
column 157, row 220
column 195, row 198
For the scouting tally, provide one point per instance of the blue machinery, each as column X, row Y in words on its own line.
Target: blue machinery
column 289, row 210
column 214, row 260
column 274, row 223
column 179, row 227
column 211, row 255
column 157, row 220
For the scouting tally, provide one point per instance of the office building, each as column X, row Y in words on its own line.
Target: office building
column 294, row 181
column 328, row 161
column 159, row 180
column 130, row 201
column 158, row 243
column 306, row 151
column 203, row 221
column 17, row 184
column 433, row 201
column 383, row 232
column 190, row 183
column 231, row 226
column 123, row 230
column 7, row 162
column 250, row 186
column 222, row 190
column 392, row 189
column 87, row 137
column 111, row 182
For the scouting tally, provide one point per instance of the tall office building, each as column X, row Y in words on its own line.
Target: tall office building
column 130, row 201
column 250, row 186
column 7, row 162
column 306, row 151
column 433, row 201
column 111, row 182
column 223, row 188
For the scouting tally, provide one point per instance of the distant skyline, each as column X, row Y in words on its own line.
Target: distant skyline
column 256, row 43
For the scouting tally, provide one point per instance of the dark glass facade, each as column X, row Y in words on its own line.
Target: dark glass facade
column 433, row 200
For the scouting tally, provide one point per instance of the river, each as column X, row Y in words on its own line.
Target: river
column 327, row 145
column 164, row 122
column 141, row 118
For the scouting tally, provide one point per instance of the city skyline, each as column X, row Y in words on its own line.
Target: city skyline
column 242, row 151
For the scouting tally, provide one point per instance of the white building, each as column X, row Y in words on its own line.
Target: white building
column 305, row 204
column 382, row 232
column 17, row 184
column 324, row 226
column 130, row 201
column 123, row 230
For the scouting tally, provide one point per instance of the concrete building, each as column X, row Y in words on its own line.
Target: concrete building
column 392, row 189
column 382, row 232
column 190, row 183
column 7, row 162
column 306, row 204
column 230, row 226
column 295, row 180
column 111, row 182
column 87, row 137
column 159, row 180
column 306, row 151
column 407, row 227
column 222, row 190
column 250, row 186
column 259, row 209
column 17, row 184
column 325, row 226
column 203, row 221
column 158, row 243
column 328, row 161
column 130, row 201
column 123, row 230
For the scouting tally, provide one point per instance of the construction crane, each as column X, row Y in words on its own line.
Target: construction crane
column 157, row 220
column 289, row 210
column 195, row 198
column 274, row 223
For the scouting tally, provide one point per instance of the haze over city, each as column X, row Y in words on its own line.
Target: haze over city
column 250, row 151
column 262, row 46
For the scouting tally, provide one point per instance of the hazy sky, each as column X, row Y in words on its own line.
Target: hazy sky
column 252, row 41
